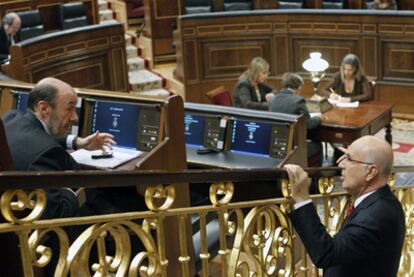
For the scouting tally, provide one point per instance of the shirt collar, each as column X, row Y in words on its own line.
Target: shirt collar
column 362, row 197
column 43, row 124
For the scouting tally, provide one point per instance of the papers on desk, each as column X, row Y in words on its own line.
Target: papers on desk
column 340, row 104
column 120, row 156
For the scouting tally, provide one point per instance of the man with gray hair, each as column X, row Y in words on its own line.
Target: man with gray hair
column 10, row 25
column 38, row 140
column 369, row 242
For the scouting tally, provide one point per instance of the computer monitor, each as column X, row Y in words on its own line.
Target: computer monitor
column 20, row 99
column 194, row 126
column 261, row 138
column 119, row 119
column 250, row 137
column 204, row 130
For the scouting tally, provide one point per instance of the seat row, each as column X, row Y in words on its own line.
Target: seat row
column 204, row 6
column 71, row 15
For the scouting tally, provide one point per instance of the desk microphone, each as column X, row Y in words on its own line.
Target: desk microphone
column 202, row 151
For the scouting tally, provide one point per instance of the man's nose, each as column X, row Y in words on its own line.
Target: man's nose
column 74, row 117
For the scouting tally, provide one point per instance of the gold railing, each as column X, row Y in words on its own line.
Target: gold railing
column 254, row 237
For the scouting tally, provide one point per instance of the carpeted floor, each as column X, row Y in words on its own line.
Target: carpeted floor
column 403, row 147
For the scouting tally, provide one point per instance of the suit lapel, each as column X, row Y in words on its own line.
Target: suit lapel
column 368, row 202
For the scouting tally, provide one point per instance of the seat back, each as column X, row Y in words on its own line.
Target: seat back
column 72, row 15
column 197, row 6
column 291, row 4
column 32, row 25
column 220, row 96
column 135, row 8
column 6, row 161
column 238, row 5
column 333, row 4
column 10, row 264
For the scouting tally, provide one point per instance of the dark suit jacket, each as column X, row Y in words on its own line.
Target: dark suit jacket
column 4, row 44
column 361, row 91
column 33, row 149
column 368, row 244
column 244, row 95
column 285, row 101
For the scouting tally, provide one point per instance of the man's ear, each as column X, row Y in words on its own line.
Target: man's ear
column 43, row 109
column 372, row 172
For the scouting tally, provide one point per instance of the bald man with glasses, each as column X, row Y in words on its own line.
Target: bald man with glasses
column 10, row 25
column 370, row 241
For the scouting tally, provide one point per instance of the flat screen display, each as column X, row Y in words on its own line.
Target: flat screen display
column 21, row 100
column 251, row 137
column 118, row 118
column 194, row 126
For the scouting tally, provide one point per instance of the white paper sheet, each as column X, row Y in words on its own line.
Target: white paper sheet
column 348, row 104
column 120, row 156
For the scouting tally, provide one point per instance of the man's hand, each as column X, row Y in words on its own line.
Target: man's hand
column 299, row 182
column 96, row 141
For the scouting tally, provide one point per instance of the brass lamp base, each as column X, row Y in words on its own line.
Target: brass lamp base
column 318, row 104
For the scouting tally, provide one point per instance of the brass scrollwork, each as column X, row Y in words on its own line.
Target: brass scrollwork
column 266, row 241
column 146, row 262
column 286, row 189
column 156, row 194
column 326, row 185
column 18, row 201
column 221, row 193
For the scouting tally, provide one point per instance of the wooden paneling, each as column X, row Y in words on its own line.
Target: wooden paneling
column 333, row 48
column 398, row 60
column 160, row 23
column 222, row 46
column 402, row 96
column 89, row 57
column 229, row 58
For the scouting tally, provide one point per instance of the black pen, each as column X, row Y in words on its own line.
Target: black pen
column 102, row 156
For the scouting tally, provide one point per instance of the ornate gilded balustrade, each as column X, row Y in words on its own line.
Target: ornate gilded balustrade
column 255, row 238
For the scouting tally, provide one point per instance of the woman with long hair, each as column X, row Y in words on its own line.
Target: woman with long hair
column 251, row 90
column 350, row 83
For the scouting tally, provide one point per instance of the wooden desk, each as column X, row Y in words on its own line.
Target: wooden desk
column 344, row 125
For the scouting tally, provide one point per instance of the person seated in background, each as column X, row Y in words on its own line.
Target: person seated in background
column 382, row 5
column 11, row 24
column 370, row 241
column 38, row 140
column 350, row 84
column 289, row 101
column 251, row 91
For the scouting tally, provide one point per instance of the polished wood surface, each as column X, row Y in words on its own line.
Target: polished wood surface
column 344, row 125
column 48, row 10
column 214, row 50
column 93, row 56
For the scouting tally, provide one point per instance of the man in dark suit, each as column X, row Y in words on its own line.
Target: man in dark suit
column 370, row 241
column 289, row 101
column 10, row 26
column 38, row 140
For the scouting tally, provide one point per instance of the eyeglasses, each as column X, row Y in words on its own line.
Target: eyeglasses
column 355, row 161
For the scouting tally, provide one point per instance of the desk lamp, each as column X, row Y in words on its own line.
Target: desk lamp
column 316, row 66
